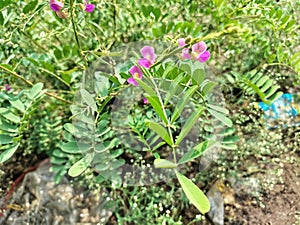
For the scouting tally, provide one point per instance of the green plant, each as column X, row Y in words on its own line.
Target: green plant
column 252, row 44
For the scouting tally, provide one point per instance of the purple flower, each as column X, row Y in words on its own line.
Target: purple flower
column 89, row 7
column 199, row 48
column 145, row 100
column 7, row 87
column 149, row 57
column 204, row 56
column 186, row 53
column 56, row 5
column 136, row 74
column 144, row 63
column 181, row 42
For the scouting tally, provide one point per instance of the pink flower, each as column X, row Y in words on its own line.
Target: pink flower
column 148, row 57
column 144, row 62
column 145, row 100
column 181, row 42
column 204, row 56
column 186, row 53
column 89, row 7
column 136, row 74
column 7, row 87
column 56, row 5
column 199, row 48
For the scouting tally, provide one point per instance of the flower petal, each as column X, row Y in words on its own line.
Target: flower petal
column 7, row 87
column 89, row 8
column 186, row 53
column 148, row 53
column 204, row 56
column 144, row 63
column 56, row 5
column 145, row 100
column 132, row 81
column 181, row 42
column 135, row 69
column 199, row 47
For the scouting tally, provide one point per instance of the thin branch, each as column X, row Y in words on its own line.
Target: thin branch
column 31, row 84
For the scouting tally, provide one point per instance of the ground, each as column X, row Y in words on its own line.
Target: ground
column 267, row 194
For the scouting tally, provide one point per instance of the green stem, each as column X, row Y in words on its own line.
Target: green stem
column 76, row 33
column 55, row 76
column 31, row 84
column 169, row 123
column 193, row 41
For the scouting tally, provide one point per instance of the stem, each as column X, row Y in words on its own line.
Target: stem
column 193, row 41
column 76, row 33
column 31, row 84
column 55, row 76
column 169, row 124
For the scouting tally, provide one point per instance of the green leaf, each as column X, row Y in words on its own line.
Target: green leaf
column 66, row 51
column 218, row 108
column 1, row 19
column 190, row 122
column 194, row 194
column 59, row 153
column 271, row 91
column 156, row 12
column 156, row 104
column 197, row 151
column 275, row 96
column 88, row 99
column 74, row 147
column 198, row 76
column 146, row 88
column 116, row 163
column 35, row 91
column 105, row 146
column 218, row 3
column 229, row 146
column 7, row 66
column 183, row 101
column 8, row 153
column 230, row 140
column 157, row 128
column 80, row 166
column 174, row 87
column 290, row 24
column 5, row 139
column 207, row 86
column 30, row 6
column 7, row 127
column 186, row 67
column 163, row 163
column 102, row 84
column 262, row 81
column 9, row 115
column 18, row 105
column 221, row 117
column 4, row 3
column 266, row 86
column 228, row 131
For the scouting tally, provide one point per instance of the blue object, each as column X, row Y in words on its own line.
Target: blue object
column 286, row 108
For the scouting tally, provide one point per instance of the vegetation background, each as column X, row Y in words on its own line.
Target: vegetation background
column 255, row 57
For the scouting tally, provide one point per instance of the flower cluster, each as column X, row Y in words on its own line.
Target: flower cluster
column 147, row 61
column 57, row 6
column 199, row 51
